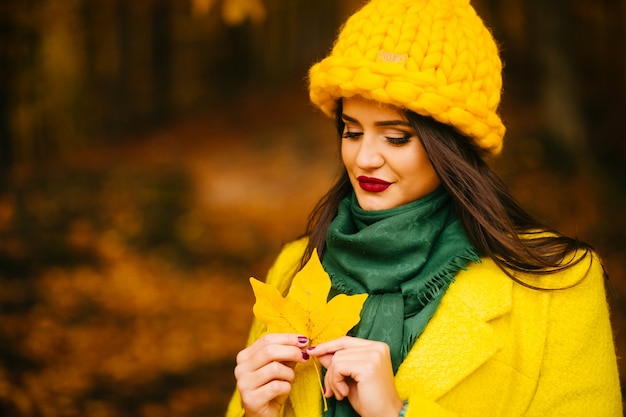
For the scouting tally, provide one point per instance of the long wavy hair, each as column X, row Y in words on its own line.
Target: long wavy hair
column 495, row 223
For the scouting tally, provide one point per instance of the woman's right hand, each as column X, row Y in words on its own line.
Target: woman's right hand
column 264, row 372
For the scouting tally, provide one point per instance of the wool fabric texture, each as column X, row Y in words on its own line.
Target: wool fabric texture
column 494, row 347
column 404, row 258
column 433, row 57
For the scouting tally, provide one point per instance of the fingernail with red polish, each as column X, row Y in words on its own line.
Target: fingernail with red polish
column 303, row 339
column 310, row 348
column 305, row 356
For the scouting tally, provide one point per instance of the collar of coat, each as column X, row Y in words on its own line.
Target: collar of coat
column 459, row 339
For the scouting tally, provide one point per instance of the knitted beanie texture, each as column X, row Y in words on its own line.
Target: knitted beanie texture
column 434, row 57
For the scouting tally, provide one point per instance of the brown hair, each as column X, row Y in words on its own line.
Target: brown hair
column 494, row 222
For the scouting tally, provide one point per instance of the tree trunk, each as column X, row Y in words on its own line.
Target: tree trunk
column 558, row 78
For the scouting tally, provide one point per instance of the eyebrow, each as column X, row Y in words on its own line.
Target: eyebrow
column 398, row 122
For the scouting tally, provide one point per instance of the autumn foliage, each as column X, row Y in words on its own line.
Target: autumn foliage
column 124, row 261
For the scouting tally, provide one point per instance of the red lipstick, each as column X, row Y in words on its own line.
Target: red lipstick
column 373, row 185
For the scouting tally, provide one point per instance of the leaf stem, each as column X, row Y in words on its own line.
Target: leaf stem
column 319, row 379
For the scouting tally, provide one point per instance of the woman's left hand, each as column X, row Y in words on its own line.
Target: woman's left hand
column 360, row 370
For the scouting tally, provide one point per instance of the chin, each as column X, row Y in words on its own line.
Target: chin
column 371, row 204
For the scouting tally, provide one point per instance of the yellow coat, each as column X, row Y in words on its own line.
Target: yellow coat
column 497, row 348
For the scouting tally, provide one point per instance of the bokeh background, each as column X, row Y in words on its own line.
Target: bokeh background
column 155, row 154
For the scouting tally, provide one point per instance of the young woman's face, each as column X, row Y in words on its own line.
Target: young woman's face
column 386, row 162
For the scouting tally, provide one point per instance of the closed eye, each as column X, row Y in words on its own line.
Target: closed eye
column 398, row 141
column 351, row 135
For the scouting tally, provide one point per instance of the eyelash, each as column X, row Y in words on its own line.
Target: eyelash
column 392, row 140
column 351, row 135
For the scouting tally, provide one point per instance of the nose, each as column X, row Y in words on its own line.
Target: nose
column 368, row 155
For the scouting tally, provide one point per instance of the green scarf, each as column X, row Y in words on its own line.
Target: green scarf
column 404, row 258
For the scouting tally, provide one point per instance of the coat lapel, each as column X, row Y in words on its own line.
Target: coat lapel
column 459, row 338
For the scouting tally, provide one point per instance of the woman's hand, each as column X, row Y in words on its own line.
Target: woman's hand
column 360, row 370
column 264, row 372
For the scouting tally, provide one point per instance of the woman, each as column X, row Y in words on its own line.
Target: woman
column 474, row 309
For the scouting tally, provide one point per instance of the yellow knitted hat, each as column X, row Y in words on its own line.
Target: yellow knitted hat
column 434, row 57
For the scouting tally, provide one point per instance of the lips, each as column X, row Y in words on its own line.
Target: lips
column 373, row 185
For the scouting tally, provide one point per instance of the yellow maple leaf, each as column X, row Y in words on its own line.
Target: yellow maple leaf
column 305, row 310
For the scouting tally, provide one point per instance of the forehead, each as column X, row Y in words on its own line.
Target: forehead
column 359, row 106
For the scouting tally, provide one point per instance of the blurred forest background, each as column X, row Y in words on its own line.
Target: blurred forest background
column 155, row 154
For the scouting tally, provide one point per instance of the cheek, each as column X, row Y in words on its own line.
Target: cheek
column 428, row 175
column 408, row 164
column 347, row 153
column 418, row 167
